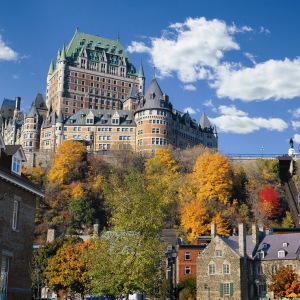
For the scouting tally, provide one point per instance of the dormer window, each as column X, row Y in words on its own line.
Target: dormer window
column 284, row 244
column 90, row 120
column 16, row 165
column 115, row 121
column 281, row 253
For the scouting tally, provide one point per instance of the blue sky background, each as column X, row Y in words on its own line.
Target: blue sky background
column 237, row 60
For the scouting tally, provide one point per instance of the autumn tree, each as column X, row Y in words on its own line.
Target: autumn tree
column 287, row 221
column 69, row 162
column 188, row 288
column 285, row 282
column 129, row 254
column 40, row 262
column 269, row 201
column 222, row 226
column 67, row 270
column 205, row 192
column 163, row 179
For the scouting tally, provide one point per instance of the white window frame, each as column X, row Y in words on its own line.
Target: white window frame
column 218, row 253
column 211, row 269
column 187, row 270
column 226, row 269
column 16, row 165
column 226, row 289
column 187, row 255
column 281, row 254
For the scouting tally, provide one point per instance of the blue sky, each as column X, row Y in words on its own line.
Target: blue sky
column 237, row 60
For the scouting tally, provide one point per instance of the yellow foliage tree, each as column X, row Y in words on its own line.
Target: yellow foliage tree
column 205, row 190
column 212, row 177
column 195, row 219
column 222, row 225
column 69, row 162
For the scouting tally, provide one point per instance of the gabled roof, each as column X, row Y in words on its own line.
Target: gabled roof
column 40, row 102
column 11, row 150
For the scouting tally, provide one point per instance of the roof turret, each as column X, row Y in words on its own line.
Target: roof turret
column 141, row 71
column 51, row 68
column 204, row 122
column 60, row 118
column 63, row 55
column 33, row 111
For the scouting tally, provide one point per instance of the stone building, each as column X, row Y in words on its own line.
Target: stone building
column 17, row 212
column 95, row 95
column 240, row 267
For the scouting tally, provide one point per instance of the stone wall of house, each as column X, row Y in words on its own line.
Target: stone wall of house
column 208, row 286
column 39, row 158
column 17, row 243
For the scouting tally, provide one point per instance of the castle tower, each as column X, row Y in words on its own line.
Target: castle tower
column 91, row 73
column 153, row 118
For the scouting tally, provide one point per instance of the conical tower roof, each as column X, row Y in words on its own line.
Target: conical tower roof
column 51, row 68
column 204, row 122
column 141, row 71
column 33, row 111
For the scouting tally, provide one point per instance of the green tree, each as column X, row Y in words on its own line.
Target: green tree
column 288, row 221
column 187, row 288
column 129, row 254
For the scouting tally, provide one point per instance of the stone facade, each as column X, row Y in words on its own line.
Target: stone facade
column 95, row 95
column 17, row 212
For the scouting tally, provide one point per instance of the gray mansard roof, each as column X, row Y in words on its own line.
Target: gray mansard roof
column 102, row 117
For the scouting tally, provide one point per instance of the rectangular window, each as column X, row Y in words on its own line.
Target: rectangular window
column 16, row 167
column 226, row 269
column 15, row 214
column 187, row 270
column 219, row 253
column 187, row 256
column 226, row 289
column 211, row 269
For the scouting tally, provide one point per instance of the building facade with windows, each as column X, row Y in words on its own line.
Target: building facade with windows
column 17, row 213
column 241, row 267
column 95, row 95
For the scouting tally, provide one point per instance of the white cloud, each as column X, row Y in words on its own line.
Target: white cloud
column 6, row 53
column 190, row 110
column 295, row 125
column 295, row 112
column 189, row 87
column 231, row 110
column 189, row 49
column 264, row 30
column 208, row 103
column 296, row 138
column 273, row 79
column 251, row 57
column 236, row 121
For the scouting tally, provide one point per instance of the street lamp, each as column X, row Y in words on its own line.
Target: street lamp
column 206, row 287
column 171, row 255
column 257, row 284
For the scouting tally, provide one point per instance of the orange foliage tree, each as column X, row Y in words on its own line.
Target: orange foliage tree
column 67, row 270
column 285, row 282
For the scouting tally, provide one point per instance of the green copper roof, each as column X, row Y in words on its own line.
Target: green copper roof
column 63, row 54
column 51, row 68
column 96, row 48
column 141, row 72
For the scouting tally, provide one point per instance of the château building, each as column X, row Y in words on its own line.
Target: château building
column 95, row 95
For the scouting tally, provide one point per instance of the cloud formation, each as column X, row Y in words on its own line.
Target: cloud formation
column 236, row 121
column 273, row 79
column 189, row 49
column 6, row 53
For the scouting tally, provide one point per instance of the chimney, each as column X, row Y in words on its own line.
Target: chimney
column 213, row 227
column 50, row 235
column 255, row 234
column 96, row 230
column 262, row 232
column 242, row 239
column 18, row 103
